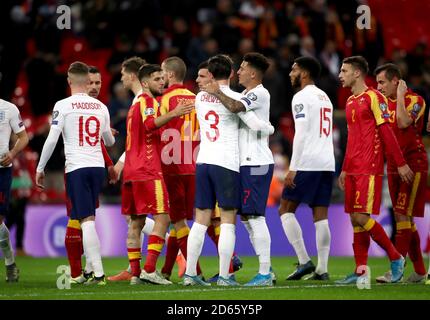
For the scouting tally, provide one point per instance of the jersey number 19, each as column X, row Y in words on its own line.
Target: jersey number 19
column 87, row 135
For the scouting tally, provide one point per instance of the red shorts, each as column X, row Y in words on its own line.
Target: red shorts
column 144, row 197
column 181, row 190
column 363, row 193
column 408, row 199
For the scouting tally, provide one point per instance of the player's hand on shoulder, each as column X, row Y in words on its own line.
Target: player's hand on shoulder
column 289, row 179
column 211, row 87
column 40, row 180
column 341, row 180
column 401, row 88
column 183, row 109
column 406, row 174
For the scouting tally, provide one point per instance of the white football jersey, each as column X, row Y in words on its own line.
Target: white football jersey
column 313, row 139
column 219, row 138
column 10, row 120
column 82, row 120
column 254, row 149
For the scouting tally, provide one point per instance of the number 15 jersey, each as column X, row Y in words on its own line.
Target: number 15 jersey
column 82, row 120
column 313, row 138
column 219, row 130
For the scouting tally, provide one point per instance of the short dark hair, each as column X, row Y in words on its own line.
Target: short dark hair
column 78, row 68
column 203, row 65
column 93, row 69
column 358, row 62
column 146, row 70
column 220, row 67
column 177, row 66
column 309, row 64
column 257, row 61
column 133, row 64
column 391, row 71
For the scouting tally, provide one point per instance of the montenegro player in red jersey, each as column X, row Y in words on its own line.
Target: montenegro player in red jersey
column 144, row 191
column 179, row 139
column 369, row 136
column 407, row 120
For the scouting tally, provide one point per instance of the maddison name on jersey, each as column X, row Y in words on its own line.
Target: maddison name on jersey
column 86, row 105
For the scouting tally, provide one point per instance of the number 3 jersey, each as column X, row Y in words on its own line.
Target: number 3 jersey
column 219, row 137
column 82, row 120
column 313, row 138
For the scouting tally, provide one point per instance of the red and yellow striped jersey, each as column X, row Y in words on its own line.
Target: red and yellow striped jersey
column 364, row 113
column 180, row 136
column 142, row 157
column 410, row 138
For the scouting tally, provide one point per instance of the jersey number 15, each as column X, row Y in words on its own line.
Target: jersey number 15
column 89, row 131
column 325, row 119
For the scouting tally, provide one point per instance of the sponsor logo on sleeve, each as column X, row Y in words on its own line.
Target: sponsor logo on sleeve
column 55, row 115
column 252, row 96
column 299, row 108
column 384, row 108
column 149, row 112
column 2, row 116
column 416, row 109
column 248, row 102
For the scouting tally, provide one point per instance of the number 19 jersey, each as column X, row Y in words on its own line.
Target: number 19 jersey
column 219, row 133
column 82, row 120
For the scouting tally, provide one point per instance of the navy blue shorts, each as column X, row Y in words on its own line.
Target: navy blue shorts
column 215, row 183
column 312, row 187
column 83, row 187
column 255, row 184
column 5, row 184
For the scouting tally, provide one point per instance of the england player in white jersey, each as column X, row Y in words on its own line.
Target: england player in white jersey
column 83, row 121
column 256, row 159
column 310, row 176
column 10, row 121
column 217, row 171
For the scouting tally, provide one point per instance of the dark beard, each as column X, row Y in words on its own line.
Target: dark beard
column 155, row 93
column 296, row 82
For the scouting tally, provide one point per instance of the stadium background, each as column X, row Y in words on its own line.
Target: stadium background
column 34, row 55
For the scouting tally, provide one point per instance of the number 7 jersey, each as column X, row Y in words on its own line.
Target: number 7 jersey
column 82, row 120
column 219, row 130
column 313, row 139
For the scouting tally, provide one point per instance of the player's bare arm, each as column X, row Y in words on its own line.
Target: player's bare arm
column 404, row 120
column 20, row 144
column 341, row 180
column 179, row 111
column 231, row 104
column 289, row 179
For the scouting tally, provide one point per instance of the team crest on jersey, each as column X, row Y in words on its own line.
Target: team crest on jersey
column 149, row 112
column 298, row 108
column 2, row 116
column 252, row 96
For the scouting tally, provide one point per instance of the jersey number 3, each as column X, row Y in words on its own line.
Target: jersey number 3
column 89, row 131
column 215, row 119
column 325, row 129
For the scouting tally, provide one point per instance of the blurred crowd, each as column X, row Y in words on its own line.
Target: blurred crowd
column 34, row 54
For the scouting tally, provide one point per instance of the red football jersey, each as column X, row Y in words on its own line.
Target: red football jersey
column 410, row 138
column 142, row 158
column 180, row 136
column 364, row 152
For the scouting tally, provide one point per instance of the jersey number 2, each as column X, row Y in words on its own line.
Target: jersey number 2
column 91, row 137
column 215, row 118
column 324, row 118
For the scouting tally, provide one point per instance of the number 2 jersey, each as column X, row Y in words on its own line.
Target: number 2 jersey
column 313, row 139
column 410, row 138
column 219, row 138
column 82, row 120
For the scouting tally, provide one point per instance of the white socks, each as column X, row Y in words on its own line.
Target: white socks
column 293, row 231
column 5, row 245
column 250, row 232
column 261, row 242
column 323, row 238
column 195, row 242
column 226, row 242
column 91, row 244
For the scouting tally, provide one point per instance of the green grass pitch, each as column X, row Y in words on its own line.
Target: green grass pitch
column 38, row 280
